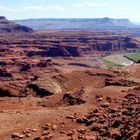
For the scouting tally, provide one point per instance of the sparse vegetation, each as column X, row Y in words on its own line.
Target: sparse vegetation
column 118, row 59
column 111, row 64
column 134, row 56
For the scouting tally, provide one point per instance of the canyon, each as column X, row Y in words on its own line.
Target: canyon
column 54, row 85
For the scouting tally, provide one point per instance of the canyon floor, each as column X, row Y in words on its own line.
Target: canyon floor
column 52, row 89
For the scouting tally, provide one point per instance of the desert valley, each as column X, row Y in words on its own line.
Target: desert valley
column 69, row 82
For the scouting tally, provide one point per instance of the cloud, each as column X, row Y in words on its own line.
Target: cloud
column 87, row 5
column 122, row 8
column 55, row 7
column 43, row 8
column 34, row 8
column 7, row 9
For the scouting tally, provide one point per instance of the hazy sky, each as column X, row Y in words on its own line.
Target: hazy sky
column 22, row 9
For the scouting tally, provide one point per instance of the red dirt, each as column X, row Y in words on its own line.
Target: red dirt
column 46, row 98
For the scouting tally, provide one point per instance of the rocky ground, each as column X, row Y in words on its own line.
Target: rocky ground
column 87, row 104
column 65, row 98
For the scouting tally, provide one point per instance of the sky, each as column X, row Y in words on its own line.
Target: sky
column 25, row 9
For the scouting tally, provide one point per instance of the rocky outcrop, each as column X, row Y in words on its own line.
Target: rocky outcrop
column 44, row 87
column 71, row 100
column 5, row 73
column 9, row 91
column 55, row 52
column 120, row 82
column 2, row 63
column 44, row 63
column 7, row 26
column 39, row 91
column 25, row 67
